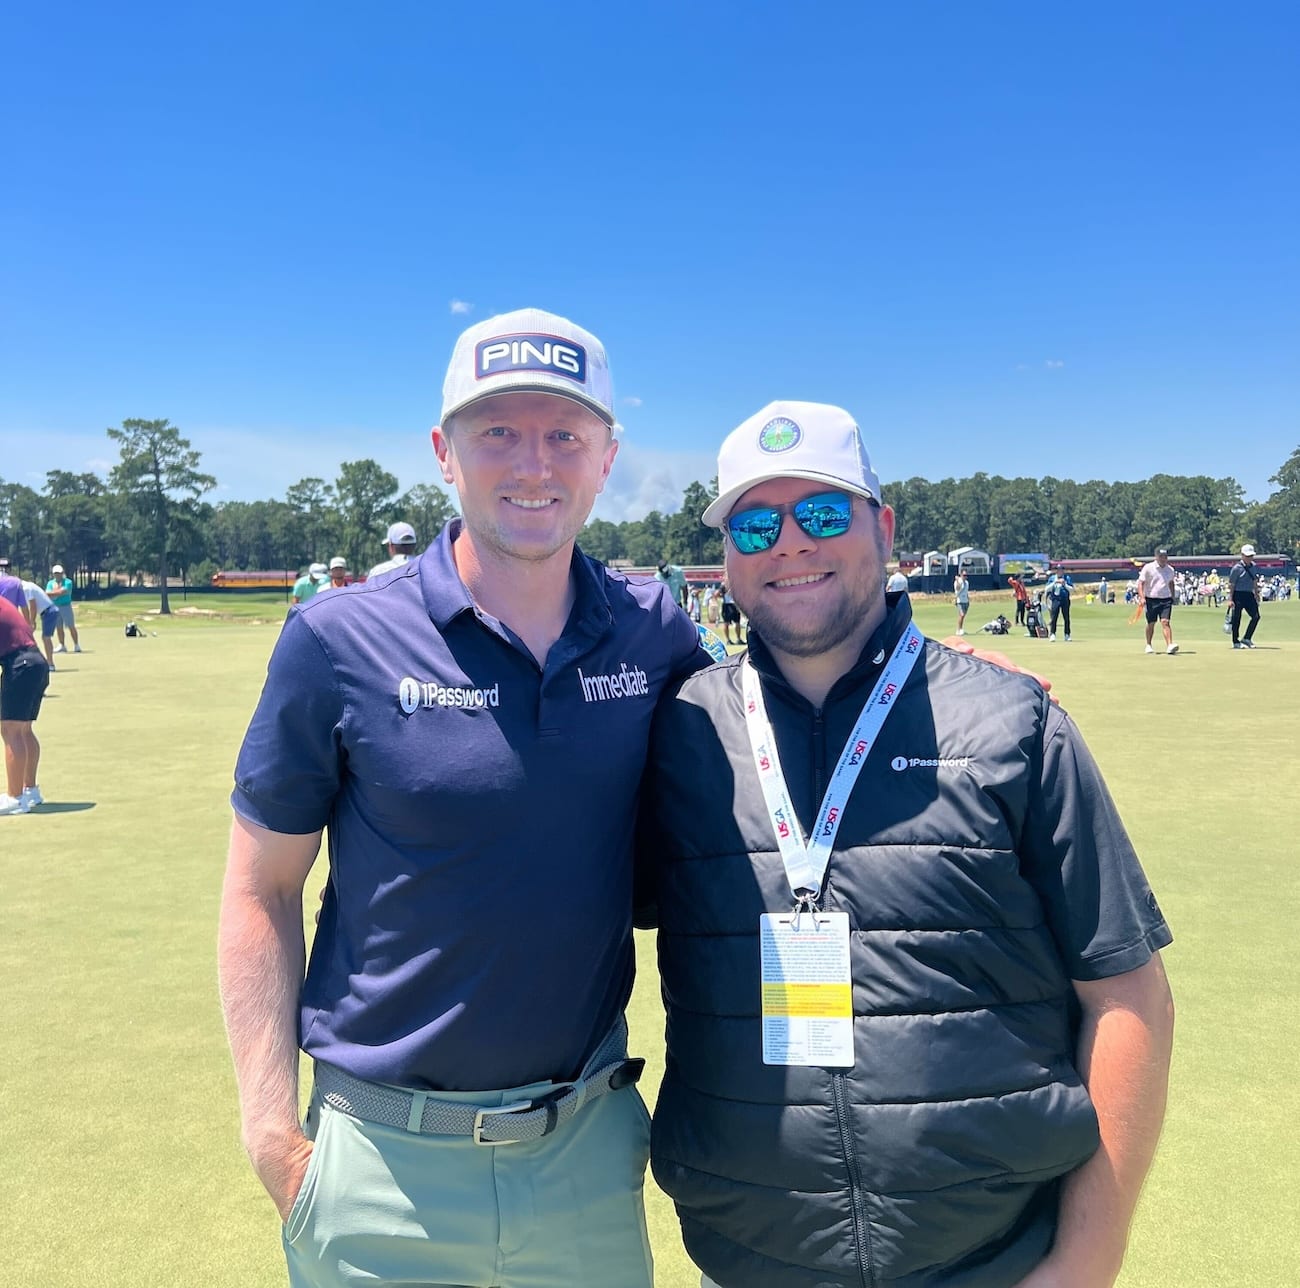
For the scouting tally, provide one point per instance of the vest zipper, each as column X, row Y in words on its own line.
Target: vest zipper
column 861, row 1224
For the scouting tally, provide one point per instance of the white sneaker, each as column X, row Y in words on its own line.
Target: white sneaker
column 32, row 797
column 1051, row 639
column 59, row 648
column 1172, row 649
column 1148, row 649
column 961, row 631
column 77, row 649
column 11, row 804
column 1067, row 639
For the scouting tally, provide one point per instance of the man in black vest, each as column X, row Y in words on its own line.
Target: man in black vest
column 918, row 1030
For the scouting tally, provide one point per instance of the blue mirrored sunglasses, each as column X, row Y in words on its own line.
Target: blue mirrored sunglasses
column 828, row 514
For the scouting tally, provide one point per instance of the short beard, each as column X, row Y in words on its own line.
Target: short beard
column 809, row 639
column 803, row 640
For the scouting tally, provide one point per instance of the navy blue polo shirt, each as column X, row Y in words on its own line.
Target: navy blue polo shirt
column 476, row 929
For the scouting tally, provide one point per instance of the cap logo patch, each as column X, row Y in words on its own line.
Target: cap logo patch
column 546, row 353
column 779, row 435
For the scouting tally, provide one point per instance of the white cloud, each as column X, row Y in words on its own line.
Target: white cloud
column 461, row 306
column 644, row 480
column 1053, row 364
column 632, row 401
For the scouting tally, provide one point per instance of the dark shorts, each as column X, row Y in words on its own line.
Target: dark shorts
column 1159, row 608
column 24, row 677
column 731, row 614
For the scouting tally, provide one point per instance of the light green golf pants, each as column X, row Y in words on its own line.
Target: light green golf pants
column 381, row 1206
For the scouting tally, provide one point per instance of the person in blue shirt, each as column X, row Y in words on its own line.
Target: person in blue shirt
column 474, row 1118
column 1059, row 586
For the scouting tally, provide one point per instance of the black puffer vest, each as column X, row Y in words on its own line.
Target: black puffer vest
column 934, row 1159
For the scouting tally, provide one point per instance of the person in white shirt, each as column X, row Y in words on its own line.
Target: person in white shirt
column 401, row 544
column 1156, row 594
column 39, row 604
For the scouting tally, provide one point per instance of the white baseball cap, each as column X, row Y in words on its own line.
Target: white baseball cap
column 529, row 350
column 400, row 534
column 57, row 568
column 1248, row 550
column 338, row 562
column 792, row 440
column 317, row 571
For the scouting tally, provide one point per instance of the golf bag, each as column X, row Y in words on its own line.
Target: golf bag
column 1035, row 628
column 998, row 626
column 133, row 631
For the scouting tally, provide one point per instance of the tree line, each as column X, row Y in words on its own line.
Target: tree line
column 149, row 520
column 1191, row 514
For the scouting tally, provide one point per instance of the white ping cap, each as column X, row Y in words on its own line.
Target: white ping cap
column 529, row 351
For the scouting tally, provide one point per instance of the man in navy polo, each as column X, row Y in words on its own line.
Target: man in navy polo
column 473, row 1118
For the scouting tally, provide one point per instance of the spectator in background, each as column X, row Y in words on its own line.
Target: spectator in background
column 675, row 579
column 11, row 589
column 59, row 589
column 1059, row 586
column 1022, row 597
column 310, row 582
column 897, row 581
column 1103, row 591
column 24, row 677
column 730, row 615
column 338, row 573
column 1243, row 583
column 961, row 597
column 1156, row 595
column 40, row 604
column 401, row 542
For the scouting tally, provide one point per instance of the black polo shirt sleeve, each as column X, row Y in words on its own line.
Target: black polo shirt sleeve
column 290, row 764
column 1078, row 856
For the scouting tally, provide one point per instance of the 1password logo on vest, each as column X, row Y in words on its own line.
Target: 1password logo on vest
column 546, row 353
column 900, row 763
column 414, row 694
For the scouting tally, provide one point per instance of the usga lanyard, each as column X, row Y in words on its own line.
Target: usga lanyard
column 806, row 863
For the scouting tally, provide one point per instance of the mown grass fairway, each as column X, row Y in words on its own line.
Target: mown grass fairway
column 121, row 1164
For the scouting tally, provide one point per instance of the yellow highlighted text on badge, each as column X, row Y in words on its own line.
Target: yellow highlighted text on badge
column 817, row 1001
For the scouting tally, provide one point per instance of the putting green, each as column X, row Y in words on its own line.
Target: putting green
column 122, row 1163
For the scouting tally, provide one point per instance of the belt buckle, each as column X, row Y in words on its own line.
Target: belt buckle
column 519, row 1107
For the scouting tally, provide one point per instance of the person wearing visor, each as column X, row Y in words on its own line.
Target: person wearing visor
column 474, row 1117
column 917, row 1027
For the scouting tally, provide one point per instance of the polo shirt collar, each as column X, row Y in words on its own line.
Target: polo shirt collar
column 446, row 596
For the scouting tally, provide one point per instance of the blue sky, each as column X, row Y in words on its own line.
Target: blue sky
column 1021, row 238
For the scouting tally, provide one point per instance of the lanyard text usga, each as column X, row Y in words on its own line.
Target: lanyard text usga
column 806, row 862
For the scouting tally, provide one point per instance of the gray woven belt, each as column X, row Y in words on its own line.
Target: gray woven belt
column 513, row 1124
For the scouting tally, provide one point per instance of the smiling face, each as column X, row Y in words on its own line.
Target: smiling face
column 527, row 468
column 807, row 596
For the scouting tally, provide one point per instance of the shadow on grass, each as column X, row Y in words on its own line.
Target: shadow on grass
column 64, row 807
